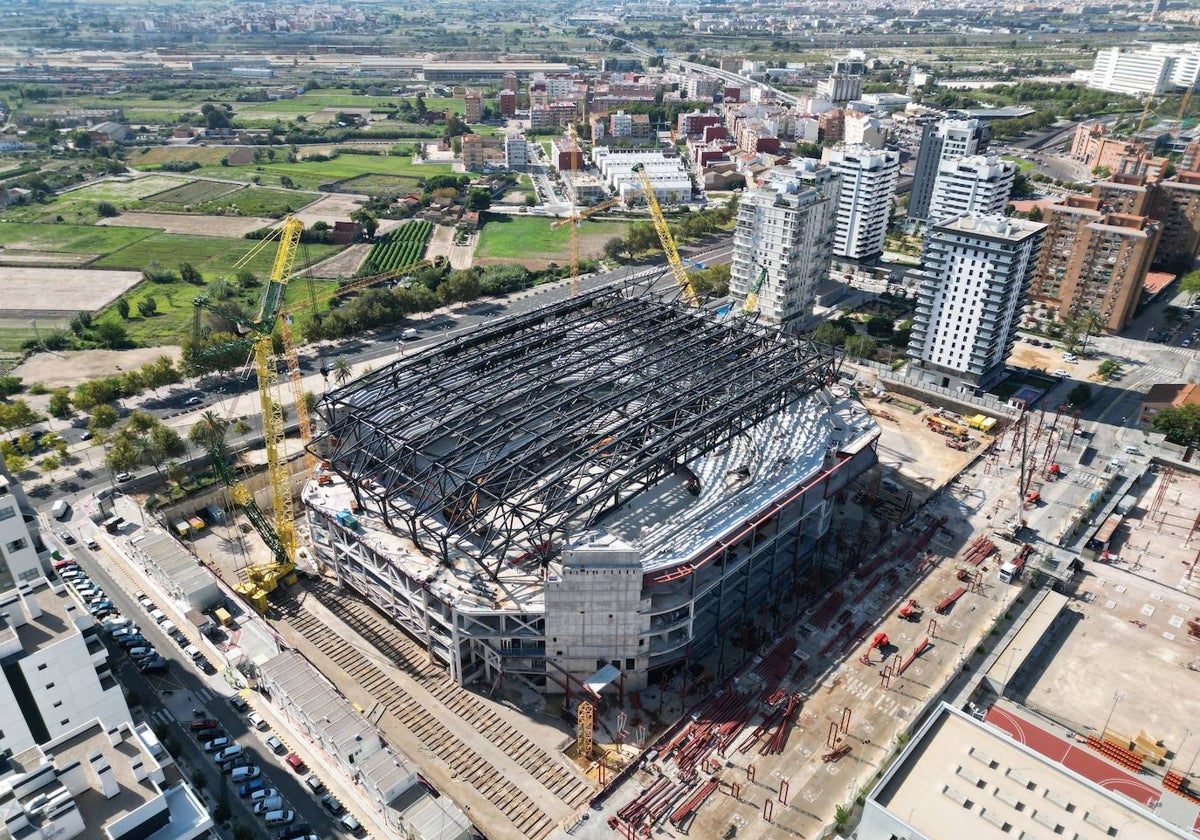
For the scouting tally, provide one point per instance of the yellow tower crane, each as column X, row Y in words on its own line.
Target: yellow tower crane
column 575, row 220
column 664, row 236
column 278, row 531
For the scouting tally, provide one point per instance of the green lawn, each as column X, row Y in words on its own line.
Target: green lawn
column 70, row 239
column 518, row 237
column 1023, row 165
column 214, row 256
column 310, row 174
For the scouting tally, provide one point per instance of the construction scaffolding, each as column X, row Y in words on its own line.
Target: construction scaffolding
column 498, row 443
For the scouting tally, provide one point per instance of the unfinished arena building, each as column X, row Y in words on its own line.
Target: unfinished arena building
column 616, row 481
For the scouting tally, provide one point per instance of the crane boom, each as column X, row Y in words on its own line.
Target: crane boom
column 751, row 302
column 664, row 236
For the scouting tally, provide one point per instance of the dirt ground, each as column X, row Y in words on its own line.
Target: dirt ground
column 30, row 289
column 225, row 226
column 341, row 265
column 335, row 207
column 69, row 368
column 45, row 258
column 909, row 447
column 1126, row 656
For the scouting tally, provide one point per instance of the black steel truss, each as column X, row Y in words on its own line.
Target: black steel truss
column 499, row 442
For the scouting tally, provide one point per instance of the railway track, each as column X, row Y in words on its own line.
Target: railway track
column 391, row 641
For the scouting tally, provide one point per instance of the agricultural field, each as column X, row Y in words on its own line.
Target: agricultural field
column 372, row 184
column 402, row 247
column 61, row 292
column 158, row 155
column 79, row 205
column 193, row 192
column 230, row 227
column 213, row 256
column 69, row 239
column 531, row 240
column 313, row 174
column 220, row 199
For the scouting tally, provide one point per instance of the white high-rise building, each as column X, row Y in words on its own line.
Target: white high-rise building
column 864, row 200
column 942, row 141
column 977, row 270
column 976, row 184
column 1146, row 72
column 516, row 151
column 786, row 228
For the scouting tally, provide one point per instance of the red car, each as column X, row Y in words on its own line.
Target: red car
column 62, row 564
column 202, row 723
column 296, row 763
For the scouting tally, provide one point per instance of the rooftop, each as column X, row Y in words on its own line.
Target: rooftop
column 498, row 445
column 960, row 777
column 38, row 615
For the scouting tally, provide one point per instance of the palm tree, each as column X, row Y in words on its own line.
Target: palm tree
column 341, row 372
column 1092, row 323
column 209, row 431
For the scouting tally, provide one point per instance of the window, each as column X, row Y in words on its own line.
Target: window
column 7, row 512
column 49, row 686
column 15, row 545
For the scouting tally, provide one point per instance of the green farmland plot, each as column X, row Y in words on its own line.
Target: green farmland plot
column 69, row 239
column 401, row 247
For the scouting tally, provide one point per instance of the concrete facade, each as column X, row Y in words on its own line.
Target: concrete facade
column 976, row 184
column 868, row 183
column 786, row 227
column 976, row 275
column 944, row 140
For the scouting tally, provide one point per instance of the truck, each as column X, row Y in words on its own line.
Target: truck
column 1010, row 570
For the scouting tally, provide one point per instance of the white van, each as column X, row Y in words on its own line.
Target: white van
column 409, row 334
column 61, row 509
column 1132, row 450
column 277, row 818
column 244, row 774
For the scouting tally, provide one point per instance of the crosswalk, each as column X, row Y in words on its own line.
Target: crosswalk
column 206, row 694
column 162, row 716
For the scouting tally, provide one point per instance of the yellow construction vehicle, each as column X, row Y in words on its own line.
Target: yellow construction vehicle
column 664, row 236
column 751, row 302
column 575, row 219
column 278, row 531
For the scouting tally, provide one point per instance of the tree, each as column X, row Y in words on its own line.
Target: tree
column 10, row 385
column 1072, row 329
column 103, row 417
column 1080, row 395
column 112, row 335
column 60, row 403
column 880, row 326
column 341, row 372
column 15, row 464
column 1091, row 323
column 459, row 287
column 1190, row 282
column 367, row 219
column 827, row 332
column 176, row 473
column 147, row 306
column 209, row 432
column 123, row 308
column 479, row 199
column 16, row 414
column 310, row 402
column 190, row 274
column 106, row 209
column 50, row 463
column 860, row 347
column 1108, row 369
column 614, row 248
column 1181, row 424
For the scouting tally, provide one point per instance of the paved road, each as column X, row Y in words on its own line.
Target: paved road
column 171, row 697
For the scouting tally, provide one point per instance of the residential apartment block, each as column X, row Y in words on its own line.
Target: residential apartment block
column 976, row 271
column 786, row 228
column 945, row 140
column 975, row 184
column 868, row 183
column 1161, row 68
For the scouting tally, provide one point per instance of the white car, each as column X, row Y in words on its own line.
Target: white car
column 1061, row 372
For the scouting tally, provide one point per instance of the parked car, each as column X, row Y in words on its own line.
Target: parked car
column 314, row 783
column 203, row 735
column 216, row 744
column 272, row 803
column 60, row 565
column 238, row 703
column 296, row 763
column 202, row 723
column 206, row 666
column 277, row 818
column 246, row 771
column 350, row 824
column 141, row 652
column 229, row 752
column 153, row 664
column 93, row 545
column 276, row 746
column 297, row 830
column 124, row 476
column 147, row 603
column 238, row 761
column 66, row 537
column 132, row 640
column 254, row 787
column 125, row 632
column 101, row 605
column 255, row 719
column 262, row 792
column 193, row 401
column 330, row 804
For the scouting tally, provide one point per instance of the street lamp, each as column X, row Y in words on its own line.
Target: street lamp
column 1117, row 698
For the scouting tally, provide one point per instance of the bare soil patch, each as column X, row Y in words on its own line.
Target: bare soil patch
column 343, row 264
column 16, row 257
column 67, row 369
column 223, row 226
column 331, row 208
column 26, row 288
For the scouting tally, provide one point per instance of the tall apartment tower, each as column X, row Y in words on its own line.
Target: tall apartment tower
column 948, row 139
column 473, row 105
column 864, row 200
column 786, row 227
column 977, row 270
column 1177, row 204
column 975, row 184
column 1093, row 260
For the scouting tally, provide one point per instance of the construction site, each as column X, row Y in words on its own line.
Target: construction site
column 588, row 497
